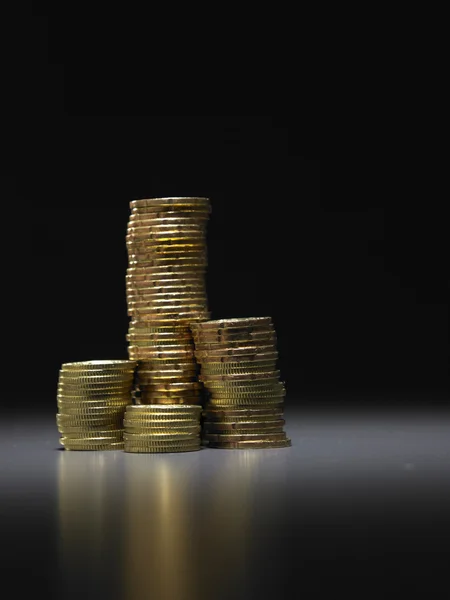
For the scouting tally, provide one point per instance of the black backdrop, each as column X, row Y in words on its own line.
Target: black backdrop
column 338, row 274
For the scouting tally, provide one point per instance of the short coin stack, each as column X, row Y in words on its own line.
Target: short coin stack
column 162, row 428
column 245, row 397
column 166, row 241
column 92, row 398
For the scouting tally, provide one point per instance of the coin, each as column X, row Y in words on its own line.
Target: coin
column 136, row 220
column 162, row 369
column 163, row 410
column 163, row 448
column 88, row 447
column 230, row 323
column 248, row 401
column 247, row 358
column 242, row 437
column 96, row 411
column 238, row 377
column 238, row 414
column 243, row 426
column 155, row 297
column 240, row 351
column 160, row 212
column 221, row 335
column 164, row 401
column 242, row 387
column 209, row 348
column 100, row 364
column 251, row 444
column 225, row 369
column 194, row 200
column 93, row 441
column 146, row 328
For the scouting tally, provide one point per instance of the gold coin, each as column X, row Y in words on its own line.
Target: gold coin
column 145, row 279
column 244, row 386
column 177, row 239
column 240, row 351
column 236, row 333
column 227, row 370
column 141, row 449
column 170, row 387
column 152, row 343
column 167, row 373
column 246, row 412
column 145, row 328
column 159, row 212
column 167, row 355
column 246, row 358
column 136, row 300
column 170, row 227
column 162, row 370
column 95, row 380
column 236, row 394
column 242, row 437
column 181, row 400
column 93, row 441
column 168, row 305
column 113, row 401
column 156, row 436
column 171, row 338
column 97, row 448
column 235, row 420
column 230, row 323
column 90, row 399
column 72, row 430
column 181, row 316
column 147, row 381
column 163, row 410
column 208, row 348
column 162, row 431
column 100, row 364
column 194, row 200
column 250, row 444
column 242, row 426
column 137, row 221
column 93, row 418
column 238, row 377
column 181, row 295
column 246, row 401
column 96, row 411
column 88, row 390
column 160, row 292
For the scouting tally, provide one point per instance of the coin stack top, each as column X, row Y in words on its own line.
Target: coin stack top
column 92, row 397
column 165, row 283
column 245, row 395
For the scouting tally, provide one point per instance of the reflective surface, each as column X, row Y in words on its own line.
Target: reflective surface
column 359, row 497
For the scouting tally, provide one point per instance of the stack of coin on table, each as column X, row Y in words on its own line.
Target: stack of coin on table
column 166, row 291
column 92, row 398
column 245, row 396
column 162, row 428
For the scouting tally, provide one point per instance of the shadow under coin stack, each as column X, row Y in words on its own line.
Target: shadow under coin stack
column 245, row 397
column 162, row 428
column 92, row 398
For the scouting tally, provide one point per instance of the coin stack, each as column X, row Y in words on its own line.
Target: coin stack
column 245, row 397
column 162, row 428
column 92, row 398
column 166, row 242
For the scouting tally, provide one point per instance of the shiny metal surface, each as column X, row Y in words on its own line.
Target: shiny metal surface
column 358, row 496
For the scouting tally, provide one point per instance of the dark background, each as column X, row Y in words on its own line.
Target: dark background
column 349, row 276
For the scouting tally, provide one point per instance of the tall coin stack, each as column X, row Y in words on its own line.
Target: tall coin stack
column 162, row 428
column 165, row 282
column 92, row 398
column 238, row 369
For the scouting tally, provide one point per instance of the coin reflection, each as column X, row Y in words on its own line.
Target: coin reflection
column 89, row 522
column 161, row 530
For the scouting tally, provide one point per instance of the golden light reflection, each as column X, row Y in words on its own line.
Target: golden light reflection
column 161, row 526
